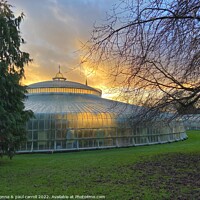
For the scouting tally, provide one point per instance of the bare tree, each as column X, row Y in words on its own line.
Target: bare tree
column 152, row 48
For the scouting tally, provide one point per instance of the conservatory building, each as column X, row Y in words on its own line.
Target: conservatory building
column 73, row 116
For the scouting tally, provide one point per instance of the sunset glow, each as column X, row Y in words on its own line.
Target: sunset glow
column 54, row 32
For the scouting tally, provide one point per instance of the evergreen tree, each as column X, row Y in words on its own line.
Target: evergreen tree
column 13, row 117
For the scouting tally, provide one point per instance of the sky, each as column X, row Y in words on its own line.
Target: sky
column 54, row 31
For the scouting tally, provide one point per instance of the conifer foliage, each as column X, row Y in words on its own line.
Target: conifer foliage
column 13, row 117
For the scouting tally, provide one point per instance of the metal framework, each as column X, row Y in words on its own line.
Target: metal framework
column 73, row 116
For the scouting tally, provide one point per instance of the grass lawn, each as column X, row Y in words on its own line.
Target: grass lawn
column 167, row 171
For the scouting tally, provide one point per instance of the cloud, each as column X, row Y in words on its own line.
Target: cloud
column 53, row 30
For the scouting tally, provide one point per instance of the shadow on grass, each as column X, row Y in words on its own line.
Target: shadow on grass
column 5, row 162
column 168, row 176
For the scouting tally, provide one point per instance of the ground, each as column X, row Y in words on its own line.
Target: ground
column 167, row 171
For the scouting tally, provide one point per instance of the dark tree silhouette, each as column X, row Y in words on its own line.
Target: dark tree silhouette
column 12, row 94
column 152, row 49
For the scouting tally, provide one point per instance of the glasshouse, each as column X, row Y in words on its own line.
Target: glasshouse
column 191, row 122
column 73, row 116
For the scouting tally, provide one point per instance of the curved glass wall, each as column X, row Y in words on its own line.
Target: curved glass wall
column 73, row 118
column 63, row 90
column 89, row 123
column 191, row 122
column 74, row 131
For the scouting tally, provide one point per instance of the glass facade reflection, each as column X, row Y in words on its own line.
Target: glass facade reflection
column 192, row 121
column 63, row 90
column 73, row 116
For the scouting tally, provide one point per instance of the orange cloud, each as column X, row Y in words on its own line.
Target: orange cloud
column 53, row 31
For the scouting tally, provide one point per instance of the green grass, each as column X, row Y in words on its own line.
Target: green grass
column 167, row 171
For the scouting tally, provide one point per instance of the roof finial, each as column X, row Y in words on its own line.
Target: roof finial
column 59, row 75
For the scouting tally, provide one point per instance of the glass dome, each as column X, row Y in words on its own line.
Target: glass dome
column 73, row 116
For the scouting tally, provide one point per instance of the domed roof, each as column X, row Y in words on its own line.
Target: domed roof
column 76, row 103
column 61, row 96
column 60, row 85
